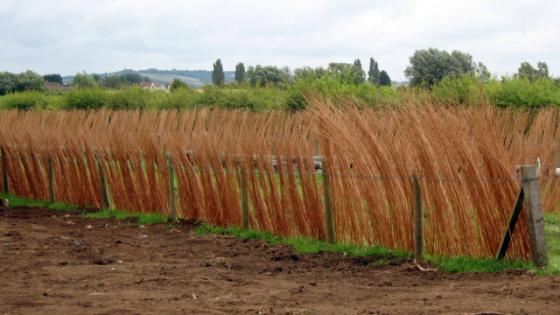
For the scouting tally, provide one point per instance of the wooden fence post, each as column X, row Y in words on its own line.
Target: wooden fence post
column 329, row 220
column 244, row 199
column 104, row 191
column 530, row 186
column 418, row 221
column 171, row 193
column 5, row 177
column 50, row 175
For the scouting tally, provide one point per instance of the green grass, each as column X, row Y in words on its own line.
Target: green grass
column 141, row 218
column 301, row 244
column 473, row 264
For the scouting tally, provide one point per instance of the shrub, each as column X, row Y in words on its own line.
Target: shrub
column 94, row 98
column 130, row 98
column 521, row 92
column 24, row 101
column 461, row 90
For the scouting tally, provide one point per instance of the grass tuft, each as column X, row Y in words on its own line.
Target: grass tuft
column 141, row 218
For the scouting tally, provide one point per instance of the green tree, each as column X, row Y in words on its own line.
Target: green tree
column 7, row 82
column 430, row 66
column 346, row 73
column 309, row 73
column 29, row 81
column 84, row 81
column 177, row 85
column 527, row 71
column 482, row 73
column 384, row 78
column 26, row 81
column 218, row 76
column 53, row 78
column 359, row 75
column 373, row 73
column 260, row 76
column 240, row 73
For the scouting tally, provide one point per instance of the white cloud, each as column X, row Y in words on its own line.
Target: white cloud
column 67, row 36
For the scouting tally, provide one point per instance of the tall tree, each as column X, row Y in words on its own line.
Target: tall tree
column 346, row 73
column 260, row 76
column 527, row 71
column 384, row 78
column 482, row 72
column 373, row 73
column 53, row 78
column 84, row 80
column 218, row 76
column 430, row 66
column 240, row 73
column 359, row 73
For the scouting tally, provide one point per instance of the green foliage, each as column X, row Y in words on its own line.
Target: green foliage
column 527, row 71
column 526, row 93
column 469, row 89
column 430, row 66
column 461, row 90
column 384, row 79
column 26, row 81
column 218, row 76
column 347, row 73
column 178, row 99
column 7, row 83
column 54, row 78
column 177, row 84
column 240, row 73
column 373, row 72
column 86, row 98
column 24, row 101
column 121, row 80
column 130, row 98
column 309, row 73
column 267, row 76
column 359, row 74
column 84, row 81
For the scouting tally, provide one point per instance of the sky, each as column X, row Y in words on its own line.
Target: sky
column 70, row 36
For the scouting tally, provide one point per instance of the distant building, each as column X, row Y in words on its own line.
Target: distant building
column 153, row 86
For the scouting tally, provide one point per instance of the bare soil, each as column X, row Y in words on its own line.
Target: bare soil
column 57, row 263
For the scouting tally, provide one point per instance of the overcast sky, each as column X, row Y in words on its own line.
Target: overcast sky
column 67, row 36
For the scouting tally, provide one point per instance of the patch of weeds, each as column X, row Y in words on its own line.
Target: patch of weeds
column 141, row 218
column 473, row 264
column 62, row 206
column 303, row 245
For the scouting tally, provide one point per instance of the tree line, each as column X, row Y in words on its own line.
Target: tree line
column 427, row 67
column 261, row 76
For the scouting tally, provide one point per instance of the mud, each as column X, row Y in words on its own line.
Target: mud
column 57, row 263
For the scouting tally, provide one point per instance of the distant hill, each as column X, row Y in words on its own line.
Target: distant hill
column 194, row 78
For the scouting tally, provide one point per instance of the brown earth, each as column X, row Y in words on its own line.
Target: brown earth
column 57, row 263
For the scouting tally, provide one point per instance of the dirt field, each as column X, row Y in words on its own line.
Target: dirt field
column 56, row 263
